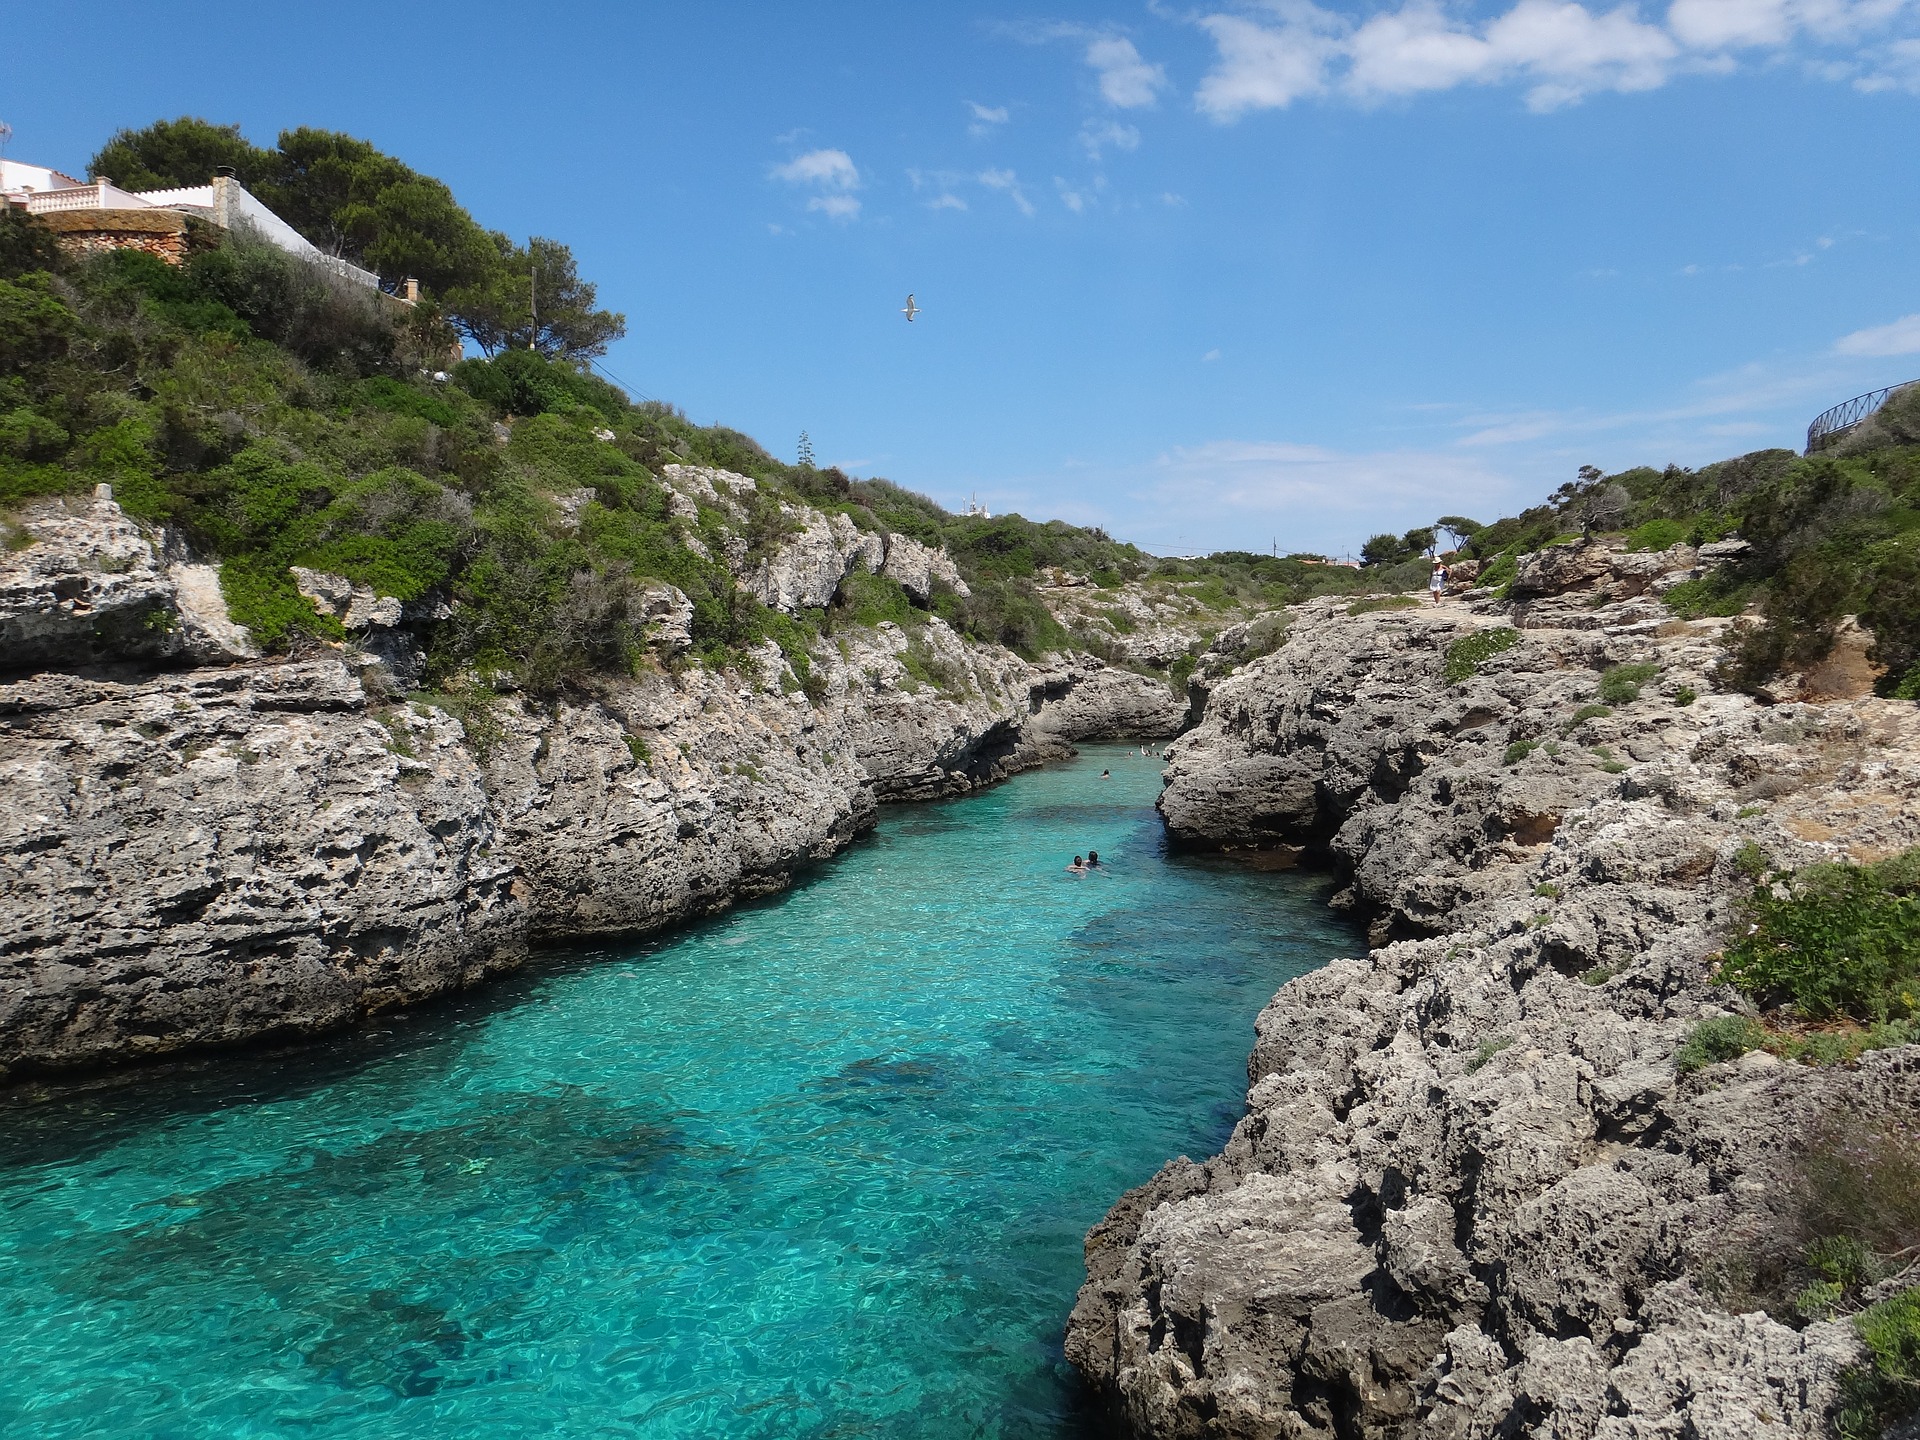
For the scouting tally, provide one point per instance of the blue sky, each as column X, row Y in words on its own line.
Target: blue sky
column 1216, row 277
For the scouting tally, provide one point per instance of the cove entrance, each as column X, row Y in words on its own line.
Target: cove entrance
column 820, row 1167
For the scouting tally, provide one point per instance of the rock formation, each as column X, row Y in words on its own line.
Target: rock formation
column 202, row 847
column 1470, row 1196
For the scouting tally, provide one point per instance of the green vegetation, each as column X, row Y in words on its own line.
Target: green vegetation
column 351, row 200
column 1837, row 942
column 1888, row 1387
column 1466, row 655
column 1518, row 751
column 1724, row 1037
column 1489, row 1048
column 1584, row 714
column 1830, row 535
column 278, row 416
column 1620, row 684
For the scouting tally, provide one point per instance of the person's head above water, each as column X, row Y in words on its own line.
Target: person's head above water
column 1078, row 864
column 1106, row 774
column 1093, row 857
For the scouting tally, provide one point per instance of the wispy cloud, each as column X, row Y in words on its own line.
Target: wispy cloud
column 1901, row 337
column 1097, row 136
column 1126, row 79
column 1009, row 184
column 1560, row 51
column 1303, row 497
column 832, row 175
column 986, row 118
column 946, row 200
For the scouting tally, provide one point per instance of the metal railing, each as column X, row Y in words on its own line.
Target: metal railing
column 1829, row 425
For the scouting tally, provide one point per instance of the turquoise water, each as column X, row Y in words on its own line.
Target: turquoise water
column 819, row 1168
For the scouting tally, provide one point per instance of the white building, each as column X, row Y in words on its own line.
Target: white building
column 223, row 201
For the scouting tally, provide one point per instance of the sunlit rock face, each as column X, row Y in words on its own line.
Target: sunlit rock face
column 1470, row 1196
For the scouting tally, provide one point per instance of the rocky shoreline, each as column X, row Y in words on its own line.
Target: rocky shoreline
column 1471, row 1196
column 200, row 847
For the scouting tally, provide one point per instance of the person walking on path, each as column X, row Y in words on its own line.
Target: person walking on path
column 1437, row 582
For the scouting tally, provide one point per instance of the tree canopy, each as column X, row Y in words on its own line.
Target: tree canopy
column 186, row 151
column 534, row 299
column 352, row 200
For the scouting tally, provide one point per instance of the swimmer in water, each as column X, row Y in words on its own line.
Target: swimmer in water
column 1106, row 774
column 1079, row 866
column 1093, row 861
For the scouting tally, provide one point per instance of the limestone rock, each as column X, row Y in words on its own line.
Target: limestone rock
column 1468, row 1176
column 89, row 588
column 918, row 568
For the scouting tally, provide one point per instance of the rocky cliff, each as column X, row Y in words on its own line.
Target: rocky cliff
column 199, row 846
column 1471, row 1196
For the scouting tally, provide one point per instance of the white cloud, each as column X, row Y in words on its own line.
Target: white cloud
column 986, row 119
column 835, row 207
column 1126, row 80
column 1213, row 354
column 833, row 174
column 1560, row 50
column 1902, row 337
column 1243, row 493
column 946, row 200
column 1261, row 68
column 829, row 169
column 1009, row 183
column 1097, row 136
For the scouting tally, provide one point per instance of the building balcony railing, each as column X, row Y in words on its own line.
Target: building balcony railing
column 1829, row 425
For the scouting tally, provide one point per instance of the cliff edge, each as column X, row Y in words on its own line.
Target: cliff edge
column 200, row 846
column 1472, row 1195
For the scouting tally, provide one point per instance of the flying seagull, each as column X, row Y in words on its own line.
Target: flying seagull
column 911, row 310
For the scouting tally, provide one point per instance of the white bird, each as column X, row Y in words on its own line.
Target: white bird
column 911, row 310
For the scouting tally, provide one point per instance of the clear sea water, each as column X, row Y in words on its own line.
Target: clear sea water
column 818, row 1168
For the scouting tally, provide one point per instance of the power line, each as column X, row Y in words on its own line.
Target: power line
column 630, row 389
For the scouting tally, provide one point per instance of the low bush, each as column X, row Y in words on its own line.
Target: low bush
column 1488, row 1048
column 1661, row 534
column 1620, row 684
column 1724, row 1037
column 1834, row 941
column 1584, row 714
column 1887, row 1388
column 1466, row 655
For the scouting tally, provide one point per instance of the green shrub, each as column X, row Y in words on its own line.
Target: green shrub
column 1466, row 655
column 1489, row 1048
column 1620, row 684
column 1717, row 593
column 1724, row 1037
column 1685, row 695
column 1887, row 1389
column 1661, row 534
column 868, row 599
column 1843, row 941
column 1518, row 751
column 1584, row 714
